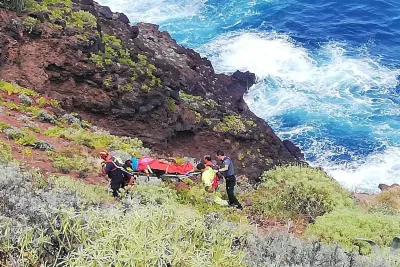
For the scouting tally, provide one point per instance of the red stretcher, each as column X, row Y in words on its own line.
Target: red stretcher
column 150, row 164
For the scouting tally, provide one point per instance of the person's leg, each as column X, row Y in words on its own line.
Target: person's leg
column 230, row 190
column 115, row 186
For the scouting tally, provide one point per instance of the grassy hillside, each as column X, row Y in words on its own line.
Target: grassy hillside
column 55, row 209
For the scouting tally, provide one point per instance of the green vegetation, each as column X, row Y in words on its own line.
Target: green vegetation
column 93, row 194
column 3, row 126
column 345, row 225
column 30, row 24
column 10, row 89
column 43, row 102
column 107, row 81
column 34, row 111
column 27, row 152
column 33, row 5
column 292, row 190
column 15, row 5
column 151, row 228
column 74, row 163
column 390, row 198
column 125, row 87
column 5, row 153
column 197, row 103
column 251, row 123
column 205, row 203
column 115, row 53
column 98, row 140
column 83, row 19
column 171, row 105
column 198, row 117
column 23, row 137
column 231, row 123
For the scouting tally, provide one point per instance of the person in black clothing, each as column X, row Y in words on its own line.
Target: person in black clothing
column 117, row 174
column 229, row 174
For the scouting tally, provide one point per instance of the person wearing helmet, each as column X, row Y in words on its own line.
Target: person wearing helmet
column 118, row 176
column 208, row 177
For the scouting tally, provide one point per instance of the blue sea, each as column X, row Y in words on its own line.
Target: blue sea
column 328, row 72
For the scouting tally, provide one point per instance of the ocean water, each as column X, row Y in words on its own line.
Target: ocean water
column 328, row 72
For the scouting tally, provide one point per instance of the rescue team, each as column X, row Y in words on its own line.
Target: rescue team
column 120, row 175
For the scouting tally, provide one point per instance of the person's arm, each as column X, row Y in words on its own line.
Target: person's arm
column 226, row 166
column 106, row 169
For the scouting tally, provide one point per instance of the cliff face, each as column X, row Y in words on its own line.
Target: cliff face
column 136, row 81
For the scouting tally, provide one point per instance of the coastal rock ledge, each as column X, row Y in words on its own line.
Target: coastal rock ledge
column 137, row 81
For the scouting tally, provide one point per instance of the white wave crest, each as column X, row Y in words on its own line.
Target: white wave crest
column 155, row 11
column 378, row 168
column 327, row 85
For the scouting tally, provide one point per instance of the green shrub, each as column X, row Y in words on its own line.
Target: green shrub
column 30, row 24
column 27, row 140
column 44, row 116
column 3, row 126
column 292, row 190
column 74, row 163
column 345, row 225
column 45, row 5
column 390, row 198
column 83, row 19
column 26, row 100
column 24, row 138
column 164, row 235
column 5, row 153
column 171, row 105
column 99, row 140
column 11, row 88
column 231, row 123
column 93, row 194
column 136, row 233
column 285, row 250
column 15, row 5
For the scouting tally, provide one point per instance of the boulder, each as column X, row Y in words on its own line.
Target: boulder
column 385, row 187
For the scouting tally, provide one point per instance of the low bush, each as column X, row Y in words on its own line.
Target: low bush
column 83, row 19
column 30, row 24
column 20, row 137
column 345, row 225
column 44, row 146
column 285, row 250
column 3, row 126
column 99, row 140
column 92, row 194
column 15, row 5
column 44, row 116
column 74, row 163
column 26, row 100
column 32, row 126
column 390, row 198
column 293, row 190
column 11, row 88
column 47, row 226
column 5, row 153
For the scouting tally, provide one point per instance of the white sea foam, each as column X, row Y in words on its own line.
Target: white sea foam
column 155, row 11
column 382, row 167
column 327, row 85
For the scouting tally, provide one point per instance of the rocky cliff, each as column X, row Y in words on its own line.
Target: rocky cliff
column 136, row 81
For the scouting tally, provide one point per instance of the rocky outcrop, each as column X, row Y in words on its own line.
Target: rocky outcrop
column 144, row 85
column 385, row 187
